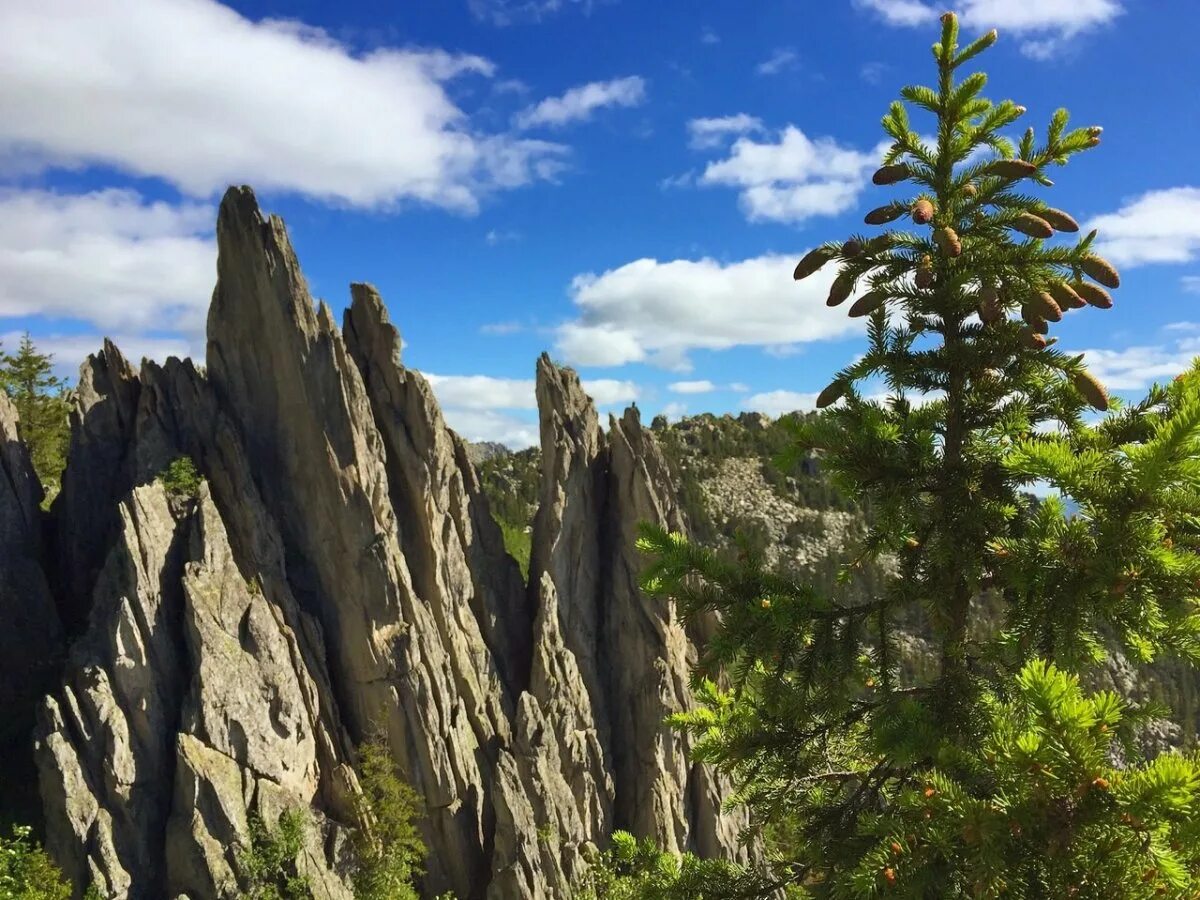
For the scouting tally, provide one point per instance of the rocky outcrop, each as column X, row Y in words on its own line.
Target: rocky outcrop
column 339, row 574
column 31, row 638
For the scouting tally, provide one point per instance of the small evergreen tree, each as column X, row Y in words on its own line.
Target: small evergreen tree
column 41, row 401
column 987, row 773
column 388, row 847
column 269, row 863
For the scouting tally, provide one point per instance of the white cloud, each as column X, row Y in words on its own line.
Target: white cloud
column 1191, row 283
column 739, row 387
column 657, row 312
column 872, row 72
column 502, row 328
column 1045, row 25
column 192, row 92
column 794, row 178
column 691, row 387
column 712, row 132
column 1136, row 368
column 498, row 236
column 783, row 58
column 578, row 104
column 777, row 403
column 674, row 411
column 509, row 12
column 70, row 350
column 709, row 37
column 109, row 258
column 1158, row 227
column 484, row 392
column 486, row 425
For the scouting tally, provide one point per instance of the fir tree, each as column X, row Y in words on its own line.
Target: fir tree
column 40, row 398
column 988, row 772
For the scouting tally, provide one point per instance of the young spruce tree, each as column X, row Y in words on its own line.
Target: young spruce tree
column 997, row 775
column 28, row 378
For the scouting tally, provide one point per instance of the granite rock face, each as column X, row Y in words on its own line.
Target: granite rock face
column 338, row 574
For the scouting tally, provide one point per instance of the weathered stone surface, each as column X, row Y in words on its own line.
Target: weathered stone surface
column 31, row 639
column 106, row 742
column 340, row 564
column 320, row 463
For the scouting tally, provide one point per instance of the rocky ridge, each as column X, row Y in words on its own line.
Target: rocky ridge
column 338, row 572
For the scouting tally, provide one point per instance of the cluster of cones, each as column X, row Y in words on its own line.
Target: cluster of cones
column 1044, row 306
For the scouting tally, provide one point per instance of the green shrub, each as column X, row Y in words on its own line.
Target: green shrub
column 269, row 864
column 181, row 478
column 638, row 870
column 519, row 544
column 388, row 848
column 26, row 872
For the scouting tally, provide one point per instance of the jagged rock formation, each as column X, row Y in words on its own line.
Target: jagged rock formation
column 339, row 572
column 31, row 639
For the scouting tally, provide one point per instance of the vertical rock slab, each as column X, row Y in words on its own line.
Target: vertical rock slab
column 320, row 463
column 105, row 742
column 31, row 638
column 97, row 477
column 453, row 547
column 250, row 732
column 660, row 792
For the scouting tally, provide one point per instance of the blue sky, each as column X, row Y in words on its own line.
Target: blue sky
column 625, row 184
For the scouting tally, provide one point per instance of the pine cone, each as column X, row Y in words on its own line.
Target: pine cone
column 832, row 394
column 947, row 238
column 1045, row 306
column 1011, row 168
column 852, row 248
column 922, row 212
column 1064, row 296
column 924, row 276
column 891, row 174
column 969, row 190
column 812, row 262
column 840, row 289
column 1029, row 224
column 1093, row 294
column 867, row 304
column 883, row 214
column 990, row 308
column 1101, row 270
column 1032, row 339
column 1059, row 220
column 1093, row 391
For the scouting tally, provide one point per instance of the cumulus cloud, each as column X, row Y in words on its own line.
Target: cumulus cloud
column 795, row 177
column 194, row 93
column 777, row 403
column 109, row 258
column 487, row 425
column 1158, row 227
column 691, row 387
column 1044, row 26
column 1136, row 368
column 578, row 103
column 484, row 392
column 712, row 132
column 657, row 312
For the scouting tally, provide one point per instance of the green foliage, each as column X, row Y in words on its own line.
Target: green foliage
column 42, row 405
column 26, row 872
column 181, row 478
column 269, row 863
column 636, row 870
column 519, row 544
column 984, row 770
column 388, row 848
